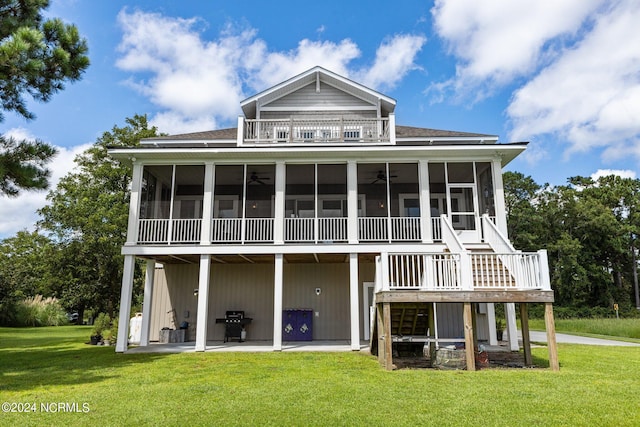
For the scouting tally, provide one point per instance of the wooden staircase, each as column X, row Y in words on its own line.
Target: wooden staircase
column 408, row 320
column 489, row 271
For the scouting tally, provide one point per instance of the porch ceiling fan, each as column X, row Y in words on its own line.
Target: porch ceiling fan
column 381, row 177
column 254, row 178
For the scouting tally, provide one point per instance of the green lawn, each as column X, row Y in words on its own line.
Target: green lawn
column 626, row 329
column 595, row 386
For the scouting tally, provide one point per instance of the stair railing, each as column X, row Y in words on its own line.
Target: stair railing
column 530, row 270
column 450, row 238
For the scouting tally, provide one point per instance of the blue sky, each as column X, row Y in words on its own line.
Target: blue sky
column 562, row 74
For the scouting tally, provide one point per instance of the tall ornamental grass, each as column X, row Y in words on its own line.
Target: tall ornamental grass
column 39, row 311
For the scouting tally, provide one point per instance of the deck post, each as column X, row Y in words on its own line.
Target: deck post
column 512, row 327
column 203, row 303
column 468, row 337
column 550, row 326
column 388, row 341
column 380, row 329
column 353, row 301
column 146, row 302
column 277, row 302
column 524, row 326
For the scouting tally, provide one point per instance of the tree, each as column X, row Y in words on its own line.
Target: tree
column 23, row 165
column 37, row 57
column 88, row 215
column 24, row 270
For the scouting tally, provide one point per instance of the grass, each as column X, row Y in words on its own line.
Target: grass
column 623, row 329
column 595, row 386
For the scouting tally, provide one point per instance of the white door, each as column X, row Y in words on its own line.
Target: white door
column 462, row 203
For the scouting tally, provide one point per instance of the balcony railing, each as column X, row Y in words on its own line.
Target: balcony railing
column 324, row 230
column 316, row 130
column 169, row 231
column 261, row 230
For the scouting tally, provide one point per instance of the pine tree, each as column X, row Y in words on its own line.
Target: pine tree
column 37, row 57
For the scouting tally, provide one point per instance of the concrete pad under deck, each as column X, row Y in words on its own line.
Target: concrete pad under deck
column 251, row 347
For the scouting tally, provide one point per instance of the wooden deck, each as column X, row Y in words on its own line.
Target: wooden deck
column 389, row 303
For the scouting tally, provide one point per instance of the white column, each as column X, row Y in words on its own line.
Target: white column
column 134, row 204
column 352, row 201
column 392, row 128
column 277, row 302
column 203, row 303
column 498, row 197
column 278, row 225
column 425, row 204
column 512, row 327
column 146, row 302
column 491, row 319
column 240, row 134
column 207, row 203
column 125, row 304
column 353, row 302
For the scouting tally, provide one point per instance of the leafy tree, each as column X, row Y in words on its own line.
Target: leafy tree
column 87, row 216
column 37, row 57
column 589, row 228
column 24, row 270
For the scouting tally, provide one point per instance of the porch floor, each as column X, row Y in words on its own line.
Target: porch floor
column 250, row 347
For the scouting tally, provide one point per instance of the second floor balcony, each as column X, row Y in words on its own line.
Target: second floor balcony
column 296, row 130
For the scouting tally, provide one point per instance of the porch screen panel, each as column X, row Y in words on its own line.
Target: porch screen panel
column 300, row 203
column 332, row 202
column 259, row 204
column 188, row 194
column 485, row 188
column 460, row 173
column 228, row 193
column 373, row 189
column 404, row 201
column 155, row 204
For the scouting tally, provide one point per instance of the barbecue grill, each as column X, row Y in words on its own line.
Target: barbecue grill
column 234, row 323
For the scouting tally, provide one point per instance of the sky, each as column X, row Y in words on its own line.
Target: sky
column 563, row 75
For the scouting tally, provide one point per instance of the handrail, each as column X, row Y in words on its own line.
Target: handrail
column 494, row 237
column 450, row 238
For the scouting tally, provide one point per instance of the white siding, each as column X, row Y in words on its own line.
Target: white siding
column 307, row 97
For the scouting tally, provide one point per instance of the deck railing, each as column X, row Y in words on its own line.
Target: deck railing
column 443, row 272
column 316, row 130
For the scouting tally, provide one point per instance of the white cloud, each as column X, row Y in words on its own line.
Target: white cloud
column 606, row 172
column 394, row 59
column 19, row 213
column 201, row 83
column 574, row 64
column 590, row 96
column 496, row 41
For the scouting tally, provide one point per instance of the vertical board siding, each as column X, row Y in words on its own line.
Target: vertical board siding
column 332, row 305
column 249, row 287
column 246, row 287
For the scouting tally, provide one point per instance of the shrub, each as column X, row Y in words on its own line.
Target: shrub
column 102, row 322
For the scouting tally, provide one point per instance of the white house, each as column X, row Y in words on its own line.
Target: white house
column 319, row 213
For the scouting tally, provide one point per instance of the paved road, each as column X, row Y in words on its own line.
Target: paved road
column 575, row 339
